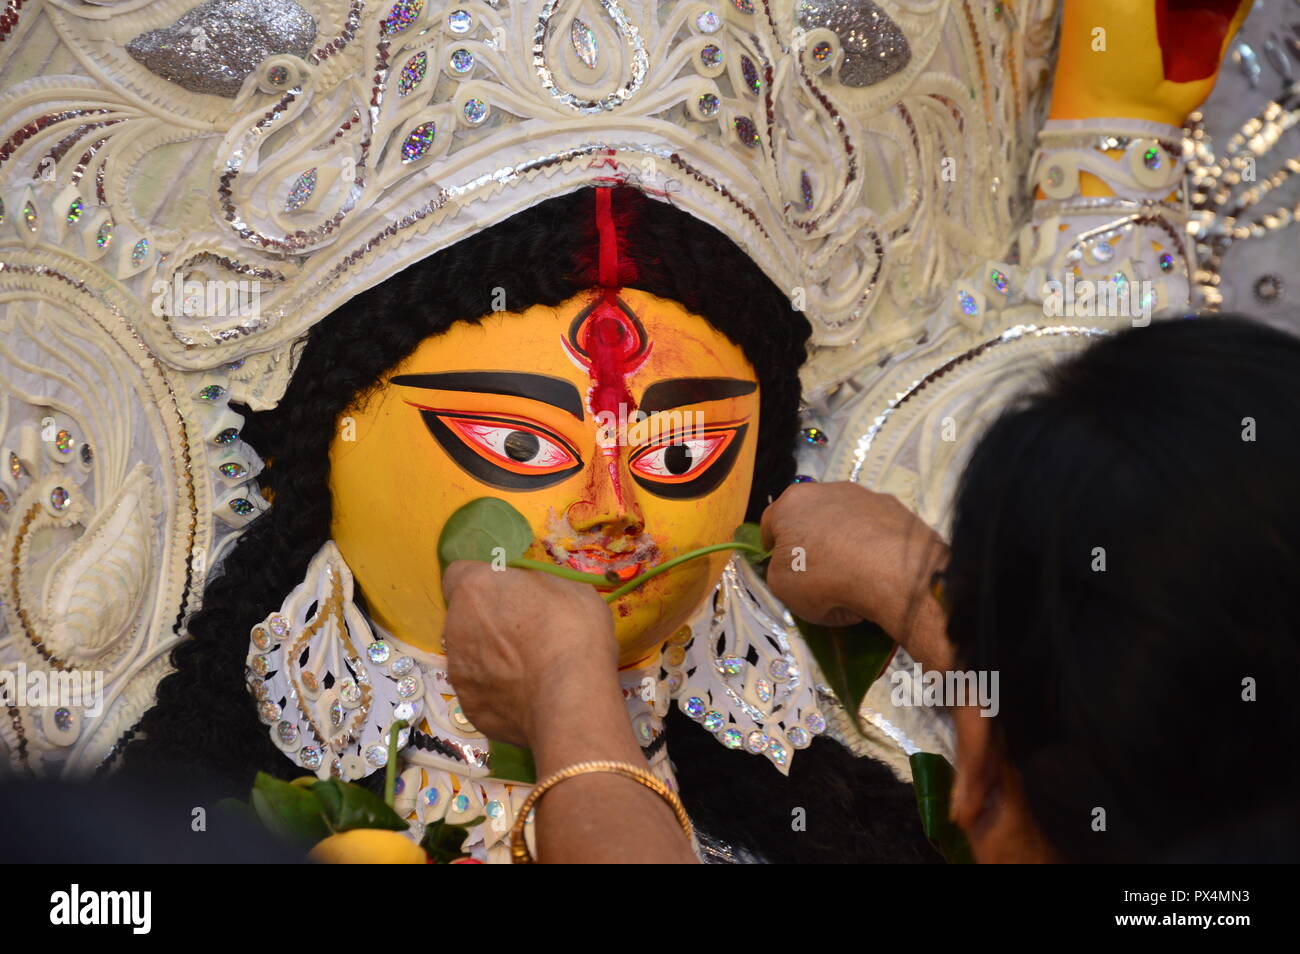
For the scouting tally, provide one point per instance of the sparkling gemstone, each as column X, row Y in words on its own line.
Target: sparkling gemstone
column 378, row 652
column 584, row 43
column 287, row 732
column 242, row 506
column 799, row 737
column 1166, row 262
column 349, row 692
column 708, row 22
column 1055, row 177
column 645, row 730
column 494, row 809
column 74, row 211
column 400, row 16
column 746, row 131
column 776, row 751
column 821, row 51
column 377, row 755
column 458, row 716
column 279, row 625
column 711, row 56
column 62, row 719
column 399, row 785
column 1000, row 280
column 211, row 392
column 763, row 690
column 1121, row 282
column 1147, row 300
column 756, row 741
column 407, row 687
column 1268, row 288
column 475, row 110
column 404, row 711
column 139, row 251
column 259, row 665
column 803, row 479
column 732, row 738
column 730, row 665
column 63, row 442
column 269, row 711
column 458, row 21
column 233, row 470
column 462, row 61
column 336, row 713
column 813, row 435
column 695, row 707
column 708, row 104
column 1103, row 251
column 87, row 455
column 714, row 720
column 418, row 141
column 301, row 190
column 1152, row 158
column 16, row 467
column 674, row 683
column 58, row 498
column 278, row 75
column 29, row 217
column 460, row 803
column 815, row 722
column 750, row 72
column 228, row 436
column 261, row 638
column 431, row 796
column 681, row 637
column 414, row 69
column 779, row 668
column 310, row 756
column 806, row 190
column 5, row 503
column 968, row 303
column 675, row 656
column 104, row 235
column 744, row 6
column 402, row 666
column 309, row 682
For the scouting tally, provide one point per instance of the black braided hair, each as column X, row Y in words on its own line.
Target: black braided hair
column 205, row 722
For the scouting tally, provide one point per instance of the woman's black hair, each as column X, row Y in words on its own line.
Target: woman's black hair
column 1126, row 555
column 204, row 722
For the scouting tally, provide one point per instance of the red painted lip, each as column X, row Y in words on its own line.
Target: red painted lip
column 603, row 562
column 1191, row 35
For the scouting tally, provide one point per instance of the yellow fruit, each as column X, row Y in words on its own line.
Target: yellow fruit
column 368, row 846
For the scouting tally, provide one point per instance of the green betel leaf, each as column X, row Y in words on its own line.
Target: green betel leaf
column 479, row 528
column 851, row 658
column 442, row 841
column 292, row 812
column 751, row 535
column 933, row 778
column 511, row 763
column 347, row 806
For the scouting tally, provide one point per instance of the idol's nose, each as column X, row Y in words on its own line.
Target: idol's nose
column 608, row 504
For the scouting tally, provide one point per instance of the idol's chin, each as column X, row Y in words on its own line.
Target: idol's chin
column 646, row 618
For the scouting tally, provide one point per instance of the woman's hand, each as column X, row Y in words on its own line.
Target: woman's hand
column 842, row 553
column 522, row 645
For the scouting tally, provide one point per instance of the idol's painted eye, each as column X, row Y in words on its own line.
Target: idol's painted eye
column 515, row 446
column 688, row 465
column 504, row 452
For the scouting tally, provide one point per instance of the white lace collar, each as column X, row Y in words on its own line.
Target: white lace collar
column 329, row 683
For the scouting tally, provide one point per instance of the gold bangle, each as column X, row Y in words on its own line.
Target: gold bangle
column 519, row 853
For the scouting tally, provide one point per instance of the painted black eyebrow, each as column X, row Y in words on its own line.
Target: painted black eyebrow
column 679, row 392
column 556, row 392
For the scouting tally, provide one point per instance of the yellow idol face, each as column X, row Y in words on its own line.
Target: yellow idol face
column 622, row 427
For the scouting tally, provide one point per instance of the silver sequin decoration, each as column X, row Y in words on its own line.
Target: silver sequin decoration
column 874, row 46
column 214, row 46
